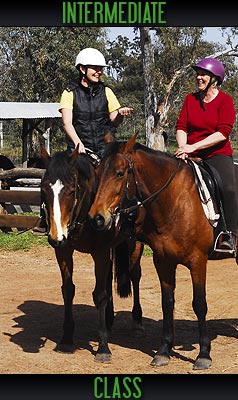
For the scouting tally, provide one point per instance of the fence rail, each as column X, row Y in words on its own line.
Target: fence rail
column 14, row 202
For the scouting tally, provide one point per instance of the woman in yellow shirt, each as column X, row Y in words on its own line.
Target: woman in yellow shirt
column 89, row 108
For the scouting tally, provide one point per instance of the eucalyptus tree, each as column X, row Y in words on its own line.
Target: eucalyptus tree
column 125, row 75
column 167, row 59
column 36, row 63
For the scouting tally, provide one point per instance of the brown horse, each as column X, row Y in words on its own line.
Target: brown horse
column 175, row 226
column 68, row 189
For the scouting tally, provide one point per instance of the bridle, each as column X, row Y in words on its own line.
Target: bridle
column 74, row 220
column 140, row 202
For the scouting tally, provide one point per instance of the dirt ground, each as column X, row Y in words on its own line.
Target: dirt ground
column 31, row 317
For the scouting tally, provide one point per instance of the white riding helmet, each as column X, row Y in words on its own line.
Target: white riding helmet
column 90, row 56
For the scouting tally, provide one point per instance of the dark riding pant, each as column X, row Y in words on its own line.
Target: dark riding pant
column 226, row 168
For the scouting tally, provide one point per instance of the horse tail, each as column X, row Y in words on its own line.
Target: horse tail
column 121, row 266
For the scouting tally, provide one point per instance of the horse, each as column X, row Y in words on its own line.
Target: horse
column 175, row 227
column 6, row 163
column 68, row 188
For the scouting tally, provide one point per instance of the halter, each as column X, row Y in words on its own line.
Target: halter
column 140, row 202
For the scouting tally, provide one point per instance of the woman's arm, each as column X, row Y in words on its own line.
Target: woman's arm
column 117, row 116
column 67, row 119
column 184, row 149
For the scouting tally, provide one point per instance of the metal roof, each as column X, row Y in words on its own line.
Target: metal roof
column 13, row 110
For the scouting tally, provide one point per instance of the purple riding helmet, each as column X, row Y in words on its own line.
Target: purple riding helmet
column 213, row 66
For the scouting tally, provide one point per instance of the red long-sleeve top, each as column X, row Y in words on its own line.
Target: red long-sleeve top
column 218, row 116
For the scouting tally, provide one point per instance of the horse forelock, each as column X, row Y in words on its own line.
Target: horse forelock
column 59, row 168
column 111, row 149
column 62, row 167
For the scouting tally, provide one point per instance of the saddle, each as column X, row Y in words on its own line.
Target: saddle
column 210, row 188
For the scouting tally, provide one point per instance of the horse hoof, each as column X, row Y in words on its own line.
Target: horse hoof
column 202, row 363
column 160, row 361
column 65, row 348
column 103, row 358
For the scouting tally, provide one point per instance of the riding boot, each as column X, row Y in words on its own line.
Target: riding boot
column 40, row 229
column 229, row 242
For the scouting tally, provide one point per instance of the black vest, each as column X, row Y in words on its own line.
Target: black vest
column 91, row 116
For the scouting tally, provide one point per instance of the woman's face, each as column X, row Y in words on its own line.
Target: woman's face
column 203, row 78
column 93, row 72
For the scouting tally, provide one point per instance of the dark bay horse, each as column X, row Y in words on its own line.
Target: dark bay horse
column 175, row 226
column 68, row 189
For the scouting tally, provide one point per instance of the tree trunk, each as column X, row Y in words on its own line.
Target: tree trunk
column 154, row 133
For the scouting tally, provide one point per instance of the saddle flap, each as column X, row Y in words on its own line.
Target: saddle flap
column 207, row 190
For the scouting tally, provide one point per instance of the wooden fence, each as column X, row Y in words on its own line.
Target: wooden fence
column 19, row 193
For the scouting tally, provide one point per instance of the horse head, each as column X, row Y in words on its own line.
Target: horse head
column 116, row 185
column 67, row 190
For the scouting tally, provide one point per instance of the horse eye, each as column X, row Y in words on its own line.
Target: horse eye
column 120, row 174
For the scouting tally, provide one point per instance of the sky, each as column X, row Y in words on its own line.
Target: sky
column 213, row 33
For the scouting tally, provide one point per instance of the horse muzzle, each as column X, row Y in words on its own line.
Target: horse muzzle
column 57, row 243
column 100, row 223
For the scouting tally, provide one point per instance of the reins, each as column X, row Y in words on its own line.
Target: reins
column 140, row 202
column 73, row 221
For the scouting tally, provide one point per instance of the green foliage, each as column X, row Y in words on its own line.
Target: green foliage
column 125, row 76
column 24, row 241
column 147, row 251
column 38, row 62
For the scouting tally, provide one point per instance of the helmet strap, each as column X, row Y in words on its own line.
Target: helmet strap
column 85, row 76
column 203, row 93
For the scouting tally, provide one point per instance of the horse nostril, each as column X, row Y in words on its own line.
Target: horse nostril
column 99, row 220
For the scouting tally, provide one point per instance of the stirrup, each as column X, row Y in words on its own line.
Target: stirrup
column 219, row 250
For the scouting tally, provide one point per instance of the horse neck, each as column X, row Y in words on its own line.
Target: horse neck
column 145, row 173
column 154, row 175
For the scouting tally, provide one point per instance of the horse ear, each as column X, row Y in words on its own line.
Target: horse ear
column 108, row 138
column 130, row 143
column 44, row 156
column 74, row 155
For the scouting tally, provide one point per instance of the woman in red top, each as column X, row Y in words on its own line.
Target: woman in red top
column 203, row 130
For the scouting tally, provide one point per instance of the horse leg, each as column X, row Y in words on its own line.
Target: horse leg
column 166, row 273
column 198, row 275
column 65, row 260
column 135, row 276
column 100, row 298
column 109, row 307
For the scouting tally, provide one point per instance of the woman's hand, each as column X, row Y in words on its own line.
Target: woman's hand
column 184, row 150
column 81, row 148
column 125, row 110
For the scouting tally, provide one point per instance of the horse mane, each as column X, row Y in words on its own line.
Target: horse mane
column 115, row 147
column 146, row 149
column 61, row 166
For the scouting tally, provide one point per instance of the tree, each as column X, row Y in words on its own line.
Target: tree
column 37, row 63
column 125, row 75
column 166, row 61
column 154, row 137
